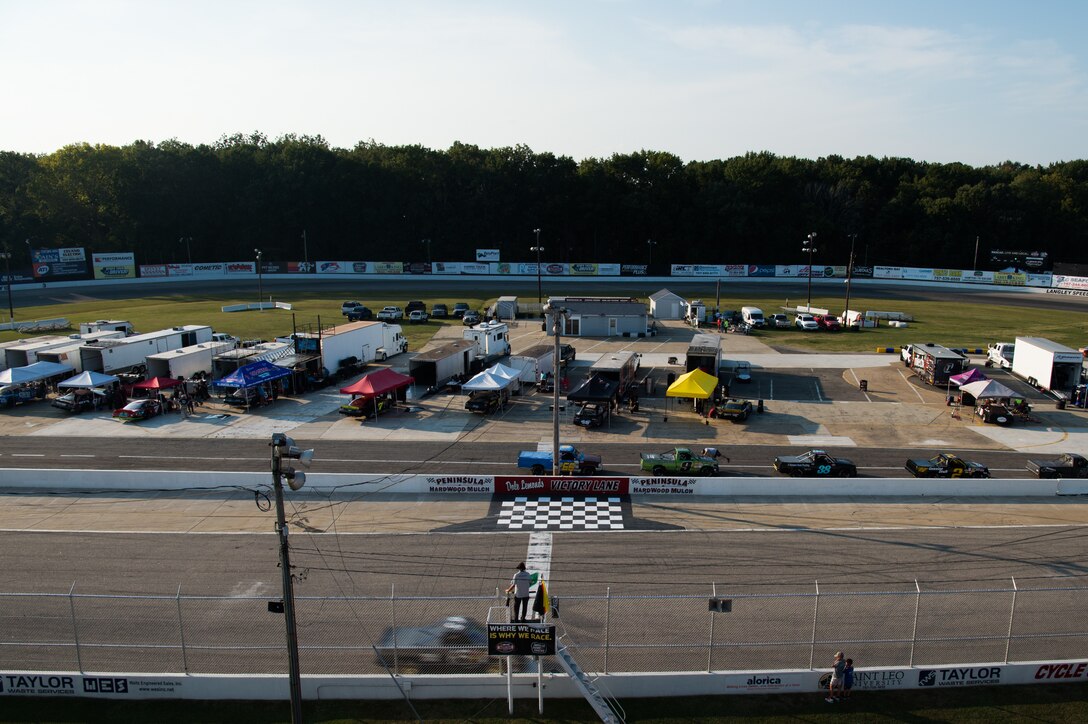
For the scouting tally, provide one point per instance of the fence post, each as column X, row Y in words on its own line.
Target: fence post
column 181, row 630
column 710, row 644
column 914, row 631
column 75, row 626
column 607, row 621
column 815, row 618
column 393, row 616
column 1012, row 615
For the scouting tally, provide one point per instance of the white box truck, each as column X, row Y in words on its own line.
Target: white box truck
column 1047, row 365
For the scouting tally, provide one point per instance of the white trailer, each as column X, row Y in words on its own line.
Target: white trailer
column 1047, row 365
column 506, row 308
column 29, row 351
column 187, row 361
column 492, row 340
column 532, row 362
column 119, row 355
column 365, row 341
column 107, row 325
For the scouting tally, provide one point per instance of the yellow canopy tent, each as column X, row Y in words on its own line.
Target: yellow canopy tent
column 695, row 384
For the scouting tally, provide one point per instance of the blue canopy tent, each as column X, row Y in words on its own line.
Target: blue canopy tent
column 249, row 377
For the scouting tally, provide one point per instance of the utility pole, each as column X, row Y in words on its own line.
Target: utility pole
column 974, row 266
column 11, row 304
column 284, row 447
column 260, row 281
column 557, row 314
column 539, row 287
column 305, row 250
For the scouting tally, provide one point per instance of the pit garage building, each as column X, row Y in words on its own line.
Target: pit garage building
column 602, row 316
column 668, row 305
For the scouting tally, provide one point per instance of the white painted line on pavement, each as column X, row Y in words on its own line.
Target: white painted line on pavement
column 908, row 384
column 858, row 383
column 63, row 455
column 28, row 455
column 816, row 384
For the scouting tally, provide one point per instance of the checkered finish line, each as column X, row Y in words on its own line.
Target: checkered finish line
column 545, row 513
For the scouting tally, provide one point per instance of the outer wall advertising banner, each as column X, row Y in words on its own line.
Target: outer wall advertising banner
column 1062, row 281
column 56, row 263
column 114, row 266
column 608, row 270
column 240, row 267
column 152, row 270
column 344, row 267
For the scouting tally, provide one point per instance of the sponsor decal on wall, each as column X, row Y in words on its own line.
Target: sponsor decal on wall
column 1038, row 280
column 153, row 270
column 734, row 270
column 633, row 270
column 664, row 486
column 969, row 676
column 388, row 267
column 917, row 274
column 608, row 270
column 121, row 265
column 978, row 277
column 1064, row 281
column 761, row 270
column 520, row 639
column 1065, row 670
column 460, row 484
column 301, row 267
column 862, row 271
column 531, row 485
column 583, row 269
column 208, row 270
column 179, row 270
column 487, row 255
column 240, row 267
column 888, row 272
column 1011, row 279
column 553, row 268
column 764, row 682
column 879, row 679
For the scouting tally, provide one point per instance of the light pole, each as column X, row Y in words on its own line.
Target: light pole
column 558, row 314
column 284, row 447
column 260, row 281
column 809, row 245
column 188, row 249
column 539, row 287
column 650, row 259
column 305, row 250
column 7, row 259
column 427, row 242
column 849, row 274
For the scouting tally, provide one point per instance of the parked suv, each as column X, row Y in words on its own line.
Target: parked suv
column 459, row 309
column 348, row 307
column 415, row 306
column 416, row 316
column 440, row 311
column 806, row 322
column 391, row 314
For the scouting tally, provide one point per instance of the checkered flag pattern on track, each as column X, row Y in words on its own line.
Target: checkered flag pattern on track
column 562, row 514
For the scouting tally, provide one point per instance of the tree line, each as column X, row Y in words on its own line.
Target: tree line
column 217, row 202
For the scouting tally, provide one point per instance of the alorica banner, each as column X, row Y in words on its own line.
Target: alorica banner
column 114, row 266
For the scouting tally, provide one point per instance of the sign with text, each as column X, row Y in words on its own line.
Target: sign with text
column 54, row 263
column 120, row 265
column 532, row 485
column 487, row 255
column 520, row 639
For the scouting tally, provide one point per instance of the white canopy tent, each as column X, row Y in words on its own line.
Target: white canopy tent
column 487, row 381
column 500, row 370
column 988, row 390
column 33, row 373
column 89, row 379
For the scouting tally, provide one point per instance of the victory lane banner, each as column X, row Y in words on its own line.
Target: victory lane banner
column 520, row 639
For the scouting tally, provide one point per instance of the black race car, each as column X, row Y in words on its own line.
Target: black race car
column 946, row 465
column 592, row 414
column 732, row 409
column 815, row 463
column 485, row 402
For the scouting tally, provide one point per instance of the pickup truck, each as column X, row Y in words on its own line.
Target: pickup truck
column 946, row 465
column 999, row 354
column 1067, row 465
column 679, row 460
column 571, row 461
column 390, row 314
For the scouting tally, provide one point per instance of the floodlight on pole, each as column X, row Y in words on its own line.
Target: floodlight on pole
column 538, row 248
column 260, row 280
column 809, row 245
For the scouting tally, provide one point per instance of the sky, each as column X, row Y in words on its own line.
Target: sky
column 979, row 82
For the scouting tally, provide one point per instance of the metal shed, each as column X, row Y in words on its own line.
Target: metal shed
column 667, row 305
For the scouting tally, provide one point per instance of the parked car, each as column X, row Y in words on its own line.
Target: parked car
column 946, row 465
column 591, row 415
column 732, row 409
column 459, row 309
column 440, row 311
column 365, row 406
column 391, row 314
column 470, row 318
column 806, row 322
column 826, row 321
column 359, row 314
column 417, row 316
column 81, row 400
column 139, row 410
column 779, row 320
column 348, row 307
column 485, row 402
column 815, row 463
column 455, row 643
column 12, row 395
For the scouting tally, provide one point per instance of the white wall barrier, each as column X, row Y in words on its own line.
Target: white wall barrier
column 556, row 686
column 454, row 484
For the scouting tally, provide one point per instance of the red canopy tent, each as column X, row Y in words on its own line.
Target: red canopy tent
column 378, row 383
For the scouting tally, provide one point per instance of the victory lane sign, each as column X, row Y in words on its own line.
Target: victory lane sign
column 520, row 639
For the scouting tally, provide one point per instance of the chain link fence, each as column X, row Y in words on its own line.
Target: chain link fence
column 606, row 633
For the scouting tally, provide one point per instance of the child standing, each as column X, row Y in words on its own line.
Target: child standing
column 847, row 679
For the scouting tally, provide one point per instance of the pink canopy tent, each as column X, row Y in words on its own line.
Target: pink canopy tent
column 966, row 378
column 157, row 383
